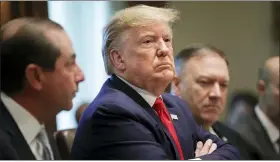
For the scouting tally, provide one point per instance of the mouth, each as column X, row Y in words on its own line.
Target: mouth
column 164, row 66
column 212, row 108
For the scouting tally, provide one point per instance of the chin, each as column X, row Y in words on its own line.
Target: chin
column 68, row 106
column 167, row 75
column 211, row 118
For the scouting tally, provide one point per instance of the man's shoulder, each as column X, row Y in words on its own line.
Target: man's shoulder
column 111, row 97
column 4, row 136
column 176, row 102
column 5, row 118
column 6, row 148
column 114, row 102
column 248, row 123
column 170, row 98
column 226, row 131
column 247, row 150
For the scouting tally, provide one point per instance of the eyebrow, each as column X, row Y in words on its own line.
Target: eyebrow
column 211, row 78
column 153, row 34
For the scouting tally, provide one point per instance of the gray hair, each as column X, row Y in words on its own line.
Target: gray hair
column 193, row 50
column 135, row 16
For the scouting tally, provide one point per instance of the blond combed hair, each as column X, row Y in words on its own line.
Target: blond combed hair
column 135, row 16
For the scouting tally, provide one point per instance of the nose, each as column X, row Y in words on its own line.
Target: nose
column 215, row 92
column 163, row 49
column 79, row 77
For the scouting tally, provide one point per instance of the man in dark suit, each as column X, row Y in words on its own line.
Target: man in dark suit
column 39, row 77
column 261, row 127
column 131, row 118
column 202, row 81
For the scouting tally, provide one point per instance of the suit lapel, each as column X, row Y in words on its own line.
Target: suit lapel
column 120, row 85
column 17, row 139
column 54, row 147
column 216, row 127
column 261, row 135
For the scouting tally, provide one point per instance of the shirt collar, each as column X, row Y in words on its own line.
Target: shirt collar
column 270, row 128
column 27, row 123
column 211, row 130
column 148, row 97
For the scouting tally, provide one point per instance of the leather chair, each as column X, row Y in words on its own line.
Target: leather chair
column 64, row 140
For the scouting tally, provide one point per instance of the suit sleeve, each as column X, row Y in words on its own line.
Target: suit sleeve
column 119, row 137
column 224, row 150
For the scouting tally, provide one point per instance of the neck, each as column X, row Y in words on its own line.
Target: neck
column 33, row 105
column 204, row 125
column 273, row 118
column 156, row 87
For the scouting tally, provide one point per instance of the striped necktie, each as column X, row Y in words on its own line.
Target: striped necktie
column 42, row 146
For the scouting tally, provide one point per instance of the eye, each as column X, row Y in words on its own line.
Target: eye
column 204, row 82
column 147, row 41
column 71, row 63
column 167, row 40
column 224, row 85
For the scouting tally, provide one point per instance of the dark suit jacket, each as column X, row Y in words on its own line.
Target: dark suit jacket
column 247, row 151
column 12, row 143
column 120, row 124
column 253, row 131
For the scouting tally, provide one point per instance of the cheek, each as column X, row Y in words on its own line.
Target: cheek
column 140, row 59
column 224, row 97
column 66, row 78
column 197, row 95
column 173, row 64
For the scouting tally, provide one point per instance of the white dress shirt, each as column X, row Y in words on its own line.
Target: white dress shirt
column 148, row 97
column 271, row 129
column 27, row 124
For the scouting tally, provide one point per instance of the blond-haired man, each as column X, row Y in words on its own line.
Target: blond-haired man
column 131, row 118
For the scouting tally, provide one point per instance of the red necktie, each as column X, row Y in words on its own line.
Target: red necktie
column 166, row 120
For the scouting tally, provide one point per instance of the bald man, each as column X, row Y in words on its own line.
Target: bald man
column 262, row 127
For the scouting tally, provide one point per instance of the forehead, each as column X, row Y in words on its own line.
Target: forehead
column 61, row 40
column 150, row 29
column 275, row 73
column 207, row 64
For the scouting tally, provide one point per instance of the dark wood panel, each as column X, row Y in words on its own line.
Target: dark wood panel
column 276, row 19
column 5, row 11
column 14, row 9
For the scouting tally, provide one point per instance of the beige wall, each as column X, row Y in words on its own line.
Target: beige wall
column 241, row 29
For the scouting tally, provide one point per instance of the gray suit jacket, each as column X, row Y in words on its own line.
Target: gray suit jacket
column 253, row 131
